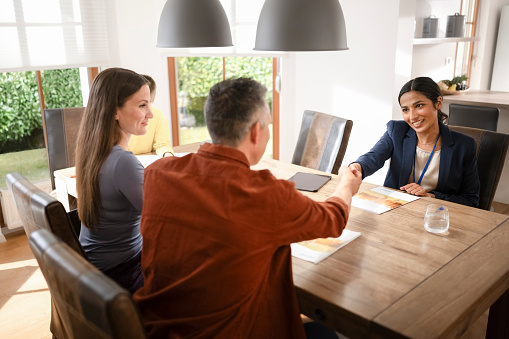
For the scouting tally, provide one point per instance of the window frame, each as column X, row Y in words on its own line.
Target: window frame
column 174, row 116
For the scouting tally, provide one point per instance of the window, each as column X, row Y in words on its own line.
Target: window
column 46, row 47
column 52, row 34
column 464, row 50
column 23, row 98
column 190, row 81
column 243, row 22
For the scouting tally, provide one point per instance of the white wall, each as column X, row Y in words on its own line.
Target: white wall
column 484, row 50
column 404, row 51
column 357, row 84
column 133, row 37
column 361, row 84
column 500, row 73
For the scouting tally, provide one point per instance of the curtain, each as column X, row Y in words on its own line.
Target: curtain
column 52, row 34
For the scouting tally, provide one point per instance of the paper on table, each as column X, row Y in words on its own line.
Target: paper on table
column 147, row 159
column 318, row 249
column 380, row 199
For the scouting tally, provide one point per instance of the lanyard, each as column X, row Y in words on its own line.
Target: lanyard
column 427, row 163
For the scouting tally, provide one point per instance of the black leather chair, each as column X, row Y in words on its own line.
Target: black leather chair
column 38, row 209
column 61, row 130
column 90, row 304
column 491, row 153
column 322, row 141
column 473, row 116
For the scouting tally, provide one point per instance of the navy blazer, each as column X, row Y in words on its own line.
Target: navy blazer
column 458, row 180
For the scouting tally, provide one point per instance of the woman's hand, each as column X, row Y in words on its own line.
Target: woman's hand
column 414, row 189
column 355, row 167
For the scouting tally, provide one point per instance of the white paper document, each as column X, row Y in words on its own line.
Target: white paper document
column 318, row 249
column 380, row 199
column 147, row 159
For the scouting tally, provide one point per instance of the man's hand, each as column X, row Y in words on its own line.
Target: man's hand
column 349, row 183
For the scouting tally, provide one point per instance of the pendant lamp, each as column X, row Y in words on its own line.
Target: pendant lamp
column 193, row 23
column 301, row 25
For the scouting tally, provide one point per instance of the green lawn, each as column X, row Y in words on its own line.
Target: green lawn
column 189, row 135
column 33, row 164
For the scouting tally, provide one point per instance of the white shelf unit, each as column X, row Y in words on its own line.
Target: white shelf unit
column 430, row 41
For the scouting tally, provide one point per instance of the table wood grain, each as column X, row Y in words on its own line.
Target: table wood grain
column 397, row 280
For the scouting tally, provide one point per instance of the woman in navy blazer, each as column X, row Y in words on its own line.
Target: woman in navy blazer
column 423, row 138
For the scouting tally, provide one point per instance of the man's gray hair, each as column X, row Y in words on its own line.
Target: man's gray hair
column 231, row 109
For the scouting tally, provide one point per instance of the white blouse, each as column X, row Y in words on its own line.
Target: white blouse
column 430, row 178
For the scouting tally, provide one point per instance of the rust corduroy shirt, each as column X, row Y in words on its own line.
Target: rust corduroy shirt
column 216, row 257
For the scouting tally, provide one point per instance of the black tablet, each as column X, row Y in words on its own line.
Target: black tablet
column 309, row 181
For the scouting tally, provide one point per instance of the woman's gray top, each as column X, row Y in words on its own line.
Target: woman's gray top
column 117, row 237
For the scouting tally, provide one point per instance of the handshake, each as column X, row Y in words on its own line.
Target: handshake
column 350, row 179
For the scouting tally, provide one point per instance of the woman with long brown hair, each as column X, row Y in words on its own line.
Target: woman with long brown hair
column 109, row 179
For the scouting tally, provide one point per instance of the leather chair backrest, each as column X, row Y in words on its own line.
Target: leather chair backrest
column 38, row 209
column 322, row 141
column 491, row 153
column 90, row 304
column 473, row 116
column 61, row 130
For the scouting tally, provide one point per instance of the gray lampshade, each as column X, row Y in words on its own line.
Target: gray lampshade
column 193, row 23
column 301, row 25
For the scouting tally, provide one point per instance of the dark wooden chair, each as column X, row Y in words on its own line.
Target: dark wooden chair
column 491, row 153
column 38, row 210
column 90, row 304
column 61, row 130
column 322, row 141
column 473, row 116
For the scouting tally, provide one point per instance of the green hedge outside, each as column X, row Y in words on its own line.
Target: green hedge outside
column 20, row 110
column 196, row 75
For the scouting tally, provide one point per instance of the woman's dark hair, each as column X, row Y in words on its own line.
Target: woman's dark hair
column 427, row 87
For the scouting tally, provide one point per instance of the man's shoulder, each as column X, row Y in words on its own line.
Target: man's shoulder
column 195, row 164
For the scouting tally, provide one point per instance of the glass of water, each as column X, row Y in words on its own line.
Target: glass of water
column 436, row 219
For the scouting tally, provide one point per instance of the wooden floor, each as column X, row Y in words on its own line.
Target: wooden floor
column 24, row 296
column 25, row 299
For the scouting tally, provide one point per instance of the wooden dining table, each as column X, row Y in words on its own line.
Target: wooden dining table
column 399, row 281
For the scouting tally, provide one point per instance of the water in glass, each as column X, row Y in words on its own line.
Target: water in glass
column 436, row 219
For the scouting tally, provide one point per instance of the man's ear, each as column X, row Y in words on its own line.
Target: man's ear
column 254, row 133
